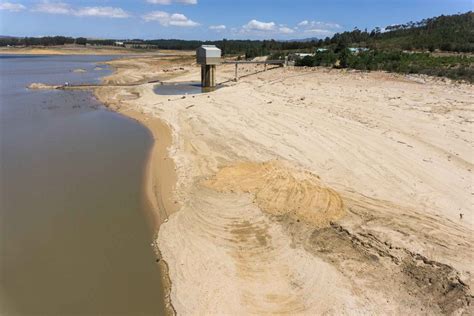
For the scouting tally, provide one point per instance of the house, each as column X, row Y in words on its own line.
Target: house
column 297, row 56
column 356, row 50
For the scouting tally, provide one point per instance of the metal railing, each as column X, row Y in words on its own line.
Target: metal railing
column 243, row 62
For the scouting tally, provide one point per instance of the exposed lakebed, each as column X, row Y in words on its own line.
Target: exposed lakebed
column 181, row 88
column 74, row 234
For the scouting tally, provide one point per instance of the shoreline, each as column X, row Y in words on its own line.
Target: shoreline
column 159, row 178
column 233, row 242
column 128, row 252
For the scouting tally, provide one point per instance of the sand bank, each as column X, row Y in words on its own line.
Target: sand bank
column 309, row 191
column 160, row 175
column 42, row 86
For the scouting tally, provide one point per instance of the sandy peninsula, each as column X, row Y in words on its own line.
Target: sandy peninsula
column 307, row 191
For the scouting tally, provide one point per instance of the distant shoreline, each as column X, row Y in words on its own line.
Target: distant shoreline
column 62, row 50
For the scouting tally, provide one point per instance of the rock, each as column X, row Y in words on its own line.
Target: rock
column 79, row 70
column 41, row 86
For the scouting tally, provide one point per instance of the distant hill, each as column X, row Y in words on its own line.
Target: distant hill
column 447, row 33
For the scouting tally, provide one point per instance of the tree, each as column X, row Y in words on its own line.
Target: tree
column 81, row 41
column 344, row 57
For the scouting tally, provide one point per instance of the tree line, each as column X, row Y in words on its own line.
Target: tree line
column 457, row 67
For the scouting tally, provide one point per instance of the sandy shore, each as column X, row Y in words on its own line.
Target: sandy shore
column 298, row 191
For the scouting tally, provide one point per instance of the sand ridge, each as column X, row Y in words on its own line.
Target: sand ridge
column 281, row 191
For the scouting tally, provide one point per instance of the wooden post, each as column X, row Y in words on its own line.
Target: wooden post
column 265, row 66
column 236, row 71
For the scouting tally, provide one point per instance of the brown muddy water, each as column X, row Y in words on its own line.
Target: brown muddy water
column 74, row 239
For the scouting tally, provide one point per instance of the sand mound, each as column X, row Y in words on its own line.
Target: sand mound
column 79, row 70
column 279, row 190
column 41, row 86
column 227, row 257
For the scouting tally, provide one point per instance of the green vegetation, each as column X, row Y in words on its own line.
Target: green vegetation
column 446, row 33
column 36, row 41
column 398, row 49
column 456, row 67
column 453, row 33
column 229, row 47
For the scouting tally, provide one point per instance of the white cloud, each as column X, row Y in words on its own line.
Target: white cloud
column 159, row 16
column 167, row 19
column 66, row 9
column 217, row 27
column 286, row 30
column 168, row 2
column 319, row 24
column 53, row 8
column 108, row 12
column 319, row 32
column 255, row 25
column 303, row 23
column 318, row 28
column 259, row 28
column 12, row 7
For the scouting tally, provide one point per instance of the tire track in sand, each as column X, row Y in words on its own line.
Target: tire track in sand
column 235, row 259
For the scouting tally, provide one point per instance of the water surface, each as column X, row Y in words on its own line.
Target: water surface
column 74, row 236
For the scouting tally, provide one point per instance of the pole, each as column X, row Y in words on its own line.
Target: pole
column 203, row 75
column 212, row 76
column 236, row 72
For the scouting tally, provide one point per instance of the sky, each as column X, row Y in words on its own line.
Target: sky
column 212, row 19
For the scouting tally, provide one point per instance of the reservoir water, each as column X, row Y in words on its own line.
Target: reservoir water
column 74, row 239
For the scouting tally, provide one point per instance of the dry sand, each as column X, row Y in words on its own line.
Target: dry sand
column 298, row 191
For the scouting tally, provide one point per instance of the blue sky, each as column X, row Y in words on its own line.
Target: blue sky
column 212, row 19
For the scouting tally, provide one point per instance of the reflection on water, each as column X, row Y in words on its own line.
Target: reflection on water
column 74, row 236
column 181, row 88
